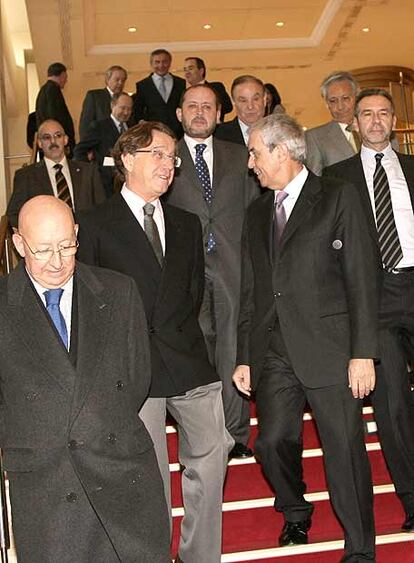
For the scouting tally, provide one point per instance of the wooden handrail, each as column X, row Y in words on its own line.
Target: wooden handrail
column 6, row 246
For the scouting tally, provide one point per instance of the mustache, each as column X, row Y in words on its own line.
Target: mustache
column 53, row 146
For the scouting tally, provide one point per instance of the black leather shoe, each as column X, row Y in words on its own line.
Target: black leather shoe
column 240, row 451
column 295, row 533
column 408, row 525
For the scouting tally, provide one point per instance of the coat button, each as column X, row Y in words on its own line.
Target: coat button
column 71, row 497
column 31, row 396
column 269, row 328
column 151, row 330
column 119, row 385
column 277, row 294
column 111, row 438
column 72, row 444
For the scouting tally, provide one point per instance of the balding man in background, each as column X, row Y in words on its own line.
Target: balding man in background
column 336, row 140
column 74, row 371
column 249, row 99
column 97, row 103
column 77, row 183
column 102, row 135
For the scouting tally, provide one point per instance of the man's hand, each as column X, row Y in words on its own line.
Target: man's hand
column 241, row 379
column 361, row 377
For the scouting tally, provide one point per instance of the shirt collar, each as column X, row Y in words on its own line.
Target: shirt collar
column 51, row 163
column 191, row 143
column 367, row 152
column 134, row 200
column 41, row 290
column 294, row 187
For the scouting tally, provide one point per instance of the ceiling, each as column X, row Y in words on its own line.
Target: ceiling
column 318, row 36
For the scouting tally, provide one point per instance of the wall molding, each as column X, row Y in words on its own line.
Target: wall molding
column 313, row 40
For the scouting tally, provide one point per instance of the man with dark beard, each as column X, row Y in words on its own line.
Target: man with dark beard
column 213, row 182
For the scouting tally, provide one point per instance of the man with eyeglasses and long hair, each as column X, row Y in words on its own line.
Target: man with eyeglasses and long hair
column 161, row 247
column 76, row 183
column 74, row 372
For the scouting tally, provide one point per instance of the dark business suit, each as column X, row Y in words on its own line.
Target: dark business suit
column 392, row 398
column 149, row 104
column 34, row 180
column 305, row 312
column 84, row 482
column 233, row 190
column 96, row 106
column 50, row 104
column 111, row 236
column 230, row 131
column 225, row 100
column 100, row 137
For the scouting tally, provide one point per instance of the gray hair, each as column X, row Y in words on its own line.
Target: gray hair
column 109, row 71
column 338, row 76
column 368, row 92
column 281, row 128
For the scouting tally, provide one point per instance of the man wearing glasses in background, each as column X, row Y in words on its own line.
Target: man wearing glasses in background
column 161, row 247
column 74, row 371
column 76, row 183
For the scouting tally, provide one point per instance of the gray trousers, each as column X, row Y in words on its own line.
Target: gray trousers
column 203, row 447
column 218, row 320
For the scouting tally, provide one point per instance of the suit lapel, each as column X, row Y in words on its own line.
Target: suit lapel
column 35, row 331
column 94, row 311
column 76, row 175
column 127, row 229
column 188, row 167
column 308, row 198
column 407, row 165
column 43, row 179
column 356, row 176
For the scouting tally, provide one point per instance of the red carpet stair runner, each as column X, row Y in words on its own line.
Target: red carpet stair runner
column 251, row 526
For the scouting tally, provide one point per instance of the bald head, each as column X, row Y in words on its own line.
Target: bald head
column 46, row 224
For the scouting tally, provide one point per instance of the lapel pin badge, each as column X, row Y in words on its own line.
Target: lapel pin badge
column 337, row 244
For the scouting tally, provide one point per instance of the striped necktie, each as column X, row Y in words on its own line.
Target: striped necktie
column 390, row 247
column 62, row 187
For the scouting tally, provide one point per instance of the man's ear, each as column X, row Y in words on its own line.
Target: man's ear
column 179, row 114
column 18, row 243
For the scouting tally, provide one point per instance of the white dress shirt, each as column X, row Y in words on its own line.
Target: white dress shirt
column 245, row 131
column 293, row 190
column 136, row 205
column 65, row 304
column 118, row 123
column 65, row 171
column 168, row 82
column 400, row 197
column 207, row 154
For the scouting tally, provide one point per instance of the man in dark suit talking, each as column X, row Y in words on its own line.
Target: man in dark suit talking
column 75, row 369
column 160, row 246
column 307, row 331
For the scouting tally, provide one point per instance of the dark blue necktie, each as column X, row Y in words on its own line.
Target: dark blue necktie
column 52, row 305
column 204, row 177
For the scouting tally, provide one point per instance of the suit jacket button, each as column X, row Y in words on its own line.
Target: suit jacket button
column 180, row 328
column 119, row 385
column 111, row 438
column 269, row 328
column 277, row 294
column 72, row 445
column 151, row 330
column 31, row 396
column 71, row 497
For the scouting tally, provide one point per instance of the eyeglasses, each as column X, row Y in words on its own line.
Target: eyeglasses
column 47, row 254
column 47, row 137
column 160, row 155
